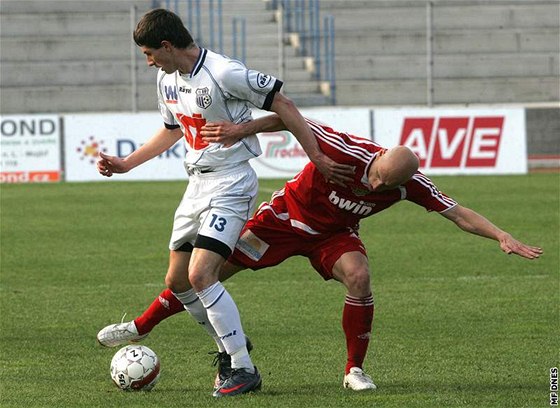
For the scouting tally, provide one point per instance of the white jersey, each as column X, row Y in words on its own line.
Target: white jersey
column 217, row 89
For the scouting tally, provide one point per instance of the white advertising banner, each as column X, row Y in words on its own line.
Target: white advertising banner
column 458, row 141
column 29, row 148
column 118, row 135
column 283, row 157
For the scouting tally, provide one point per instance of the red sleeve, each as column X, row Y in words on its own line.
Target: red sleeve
column 421, row 190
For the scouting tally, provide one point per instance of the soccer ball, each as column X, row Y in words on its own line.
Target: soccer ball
column 135, row 368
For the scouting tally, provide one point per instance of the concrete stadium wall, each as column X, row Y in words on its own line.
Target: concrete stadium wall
column 543, row 133
column 75, row 56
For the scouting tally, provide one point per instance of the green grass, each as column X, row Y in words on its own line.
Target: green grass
column 458, row 323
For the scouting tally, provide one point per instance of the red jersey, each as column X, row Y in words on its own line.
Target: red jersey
column 314, row 206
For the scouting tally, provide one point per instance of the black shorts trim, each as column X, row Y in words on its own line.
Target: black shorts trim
column 186, row 247
column 213, row 245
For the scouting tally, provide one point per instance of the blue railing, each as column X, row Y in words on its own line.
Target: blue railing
column 329, row 75
column 192, row 12
column 239, row 35
column 302, row 17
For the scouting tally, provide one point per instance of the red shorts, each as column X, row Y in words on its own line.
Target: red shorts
column 274, row 240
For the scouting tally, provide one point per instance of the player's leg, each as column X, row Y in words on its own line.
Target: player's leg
column 177, row 280
column 162, row 307
column 228, row 200
column 165, row 305
column 357, row 317
column 223, row 315
column 343, row 257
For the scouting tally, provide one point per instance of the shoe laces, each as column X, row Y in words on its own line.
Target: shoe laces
column 222, row 358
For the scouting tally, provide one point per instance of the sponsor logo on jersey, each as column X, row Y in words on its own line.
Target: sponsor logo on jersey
column 185, row 89
column 441, row 142
column 203, row 98
column 263, row 80
column 360, row 207
column 171, row 95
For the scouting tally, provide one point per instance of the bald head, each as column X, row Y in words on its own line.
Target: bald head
column 393, row 168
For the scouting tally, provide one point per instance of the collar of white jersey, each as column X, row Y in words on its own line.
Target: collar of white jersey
column 199, row 62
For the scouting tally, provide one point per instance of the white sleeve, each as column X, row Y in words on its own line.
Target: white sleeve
column 250, row 85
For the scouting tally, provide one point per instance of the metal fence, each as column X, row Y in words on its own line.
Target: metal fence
column 296, row 17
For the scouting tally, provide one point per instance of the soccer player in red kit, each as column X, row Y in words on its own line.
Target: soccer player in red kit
column 319, row 220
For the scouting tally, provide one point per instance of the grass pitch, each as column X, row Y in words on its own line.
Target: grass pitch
column 457, row 323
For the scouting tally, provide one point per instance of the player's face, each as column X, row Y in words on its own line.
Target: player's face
column 159, row 58
column 378, row 183
column 380, row 176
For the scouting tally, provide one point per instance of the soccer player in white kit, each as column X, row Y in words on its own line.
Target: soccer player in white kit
column 196, row 85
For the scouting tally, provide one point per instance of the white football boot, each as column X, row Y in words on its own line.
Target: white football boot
column 357, row 380
column 118, row 334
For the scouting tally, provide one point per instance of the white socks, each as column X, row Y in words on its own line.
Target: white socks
column 215, row 309
column 224, row 317
column 192, row 304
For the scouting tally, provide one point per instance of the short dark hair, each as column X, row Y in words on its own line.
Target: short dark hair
column 162, row 25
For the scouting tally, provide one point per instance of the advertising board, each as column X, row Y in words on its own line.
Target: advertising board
column 118, row 135
column 458, row 141
column 30, row 149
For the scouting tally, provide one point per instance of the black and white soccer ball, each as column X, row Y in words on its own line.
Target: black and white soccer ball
column 135, row 368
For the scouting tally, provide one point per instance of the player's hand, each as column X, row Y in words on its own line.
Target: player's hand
column 107, row 165
column 341, row 174
column 512, row 246
column 226, row 133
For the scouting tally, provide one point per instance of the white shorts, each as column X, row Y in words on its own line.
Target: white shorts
column 215, row 205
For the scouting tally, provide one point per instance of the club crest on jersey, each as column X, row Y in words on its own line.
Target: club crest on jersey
column 203, row 98
column 360, row 191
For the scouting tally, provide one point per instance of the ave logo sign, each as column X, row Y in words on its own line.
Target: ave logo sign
column 454, row 141
column 458, row 141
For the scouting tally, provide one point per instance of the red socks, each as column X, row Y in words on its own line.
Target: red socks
column 164, row 306
column 357, row 318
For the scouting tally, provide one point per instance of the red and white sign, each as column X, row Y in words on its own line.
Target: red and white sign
column 458, row 141
column 30, row 149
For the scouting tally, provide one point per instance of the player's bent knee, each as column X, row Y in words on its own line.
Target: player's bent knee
column 200, row 281
column 358, row 282
column 176, row 284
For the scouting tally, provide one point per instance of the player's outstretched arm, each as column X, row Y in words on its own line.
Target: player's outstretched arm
column 162, row 140
column 470, row 221
column 296, row 124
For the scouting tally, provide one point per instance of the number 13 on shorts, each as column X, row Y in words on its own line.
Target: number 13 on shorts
column 218, row 223
column 222, row 226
